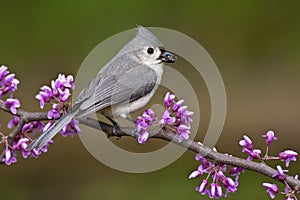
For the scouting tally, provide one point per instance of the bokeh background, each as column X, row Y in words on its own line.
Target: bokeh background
column 255, row 44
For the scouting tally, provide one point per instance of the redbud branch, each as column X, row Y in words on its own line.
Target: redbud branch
column 205, row 151
column 25, row 117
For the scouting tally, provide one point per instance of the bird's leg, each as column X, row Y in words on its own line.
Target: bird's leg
column 116, row 126
column 133, row 132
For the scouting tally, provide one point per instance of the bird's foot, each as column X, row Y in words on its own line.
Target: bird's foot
column 115, row 129
column 134, row 132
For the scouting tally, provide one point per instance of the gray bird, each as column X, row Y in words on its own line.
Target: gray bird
column 125, row 84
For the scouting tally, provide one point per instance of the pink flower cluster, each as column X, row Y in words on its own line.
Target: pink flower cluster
column 286, row 156
column 175, row 115
column 58, row 95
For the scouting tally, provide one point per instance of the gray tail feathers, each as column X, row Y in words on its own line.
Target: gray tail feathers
column 43, row 139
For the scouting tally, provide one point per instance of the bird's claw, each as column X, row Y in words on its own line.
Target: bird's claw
column 134, row 132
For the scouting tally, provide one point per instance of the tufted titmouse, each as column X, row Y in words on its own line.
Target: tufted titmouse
column 125, row 84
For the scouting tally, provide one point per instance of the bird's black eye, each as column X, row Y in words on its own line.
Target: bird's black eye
column 150, row 50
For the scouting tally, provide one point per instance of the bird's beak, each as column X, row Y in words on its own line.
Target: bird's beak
column 167, row 56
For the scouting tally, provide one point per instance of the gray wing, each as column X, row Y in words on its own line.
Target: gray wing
column 116, row 66
column 119, row 86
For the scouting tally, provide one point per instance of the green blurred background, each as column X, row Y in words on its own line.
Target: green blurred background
column 255, row 44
